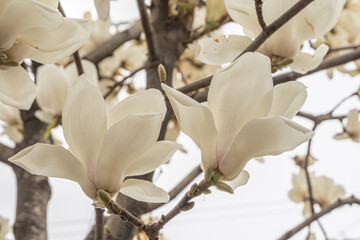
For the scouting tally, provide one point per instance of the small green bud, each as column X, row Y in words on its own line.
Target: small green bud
column 224, row 187
column 3, row 56
column 208, row 174
column 107, row 229
column 193, row 189
column 206, row 191
column 285, row 62
column 188, row 206
column 162, row 73
column 9, row 63
column 216, row 177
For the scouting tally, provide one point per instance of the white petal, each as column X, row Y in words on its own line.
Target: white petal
column 240, row 180
column 197, row 122
column 52, row 45
column 50, row 3
column 288, row 99
column 353, row 124
column 89, row 70
column 261, row 137
column 305, row 62
column 215, row 10
column 16, row 88
column 13, row 133
column 222, row 49
column 102, row 8
column 144, row 191
column 156, row 155
column 124, row 142
column 51, row 88
column 84, row 121
column 146, row 101
column 45, row 117
column 243, row 12
column 238, row 94
column 9, row 114
column 54, row 161
column 22, row 15
column 309, row 24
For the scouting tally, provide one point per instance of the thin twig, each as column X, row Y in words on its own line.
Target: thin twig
column 99, row 224
column 76, row 55
column 259, row 13
column 121, row 82
column 180, row 187
column 348, row 201
column 331, row 50
column 278, row 23
column 147, row 30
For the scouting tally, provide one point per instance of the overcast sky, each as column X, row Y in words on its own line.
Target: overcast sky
column 260, row 210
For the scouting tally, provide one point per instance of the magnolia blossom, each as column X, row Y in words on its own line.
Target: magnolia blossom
column 324, row 191
column 4, row 228
column 52, row 84
column 285, row 44
column 33, row 29
column 245, row 117
column 352, row 127
column 13, row 127
column 99, row 34
column 102, row 8
column 104, row 149
column 130, row 56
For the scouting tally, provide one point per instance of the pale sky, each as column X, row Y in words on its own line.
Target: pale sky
column 259, row 210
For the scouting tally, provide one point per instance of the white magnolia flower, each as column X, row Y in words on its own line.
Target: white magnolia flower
column 285, row 43
column 104, row 149
column 352, row 127
column 324, row 191
column 245, row 117
column 102, row 8
column 53, row 82
column 4, row 228
column 33, row 29
column 13, row 127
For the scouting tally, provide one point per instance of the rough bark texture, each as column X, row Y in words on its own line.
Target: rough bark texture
column 33, row 192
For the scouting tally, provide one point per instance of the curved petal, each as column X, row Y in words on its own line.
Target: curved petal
column 260, row 137
column 243, row 12
column 20, row 16
column 288, row 99
column 89, row 70
column 50, row 3
column 45, row 117
column 102, row 8
column 54, row 161
column 238, row 94
column 353, row 124
column 222, row 49
column 305, row 62
column 51, row 88
column 309, row 24
column 52, row 45
column 144, row 191
column 84, row 121
column 16, row 88
column 158, row 154
column 196, row 121
column 124, row 142
column 146, row 101
column 13, row 133
column 215, row 10
column 9, row 114
column 240, row 180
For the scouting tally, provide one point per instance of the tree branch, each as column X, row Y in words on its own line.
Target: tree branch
column 259, row 13
column 348, row 201
column 108, row 47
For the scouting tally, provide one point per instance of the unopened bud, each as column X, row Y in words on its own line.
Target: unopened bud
column 162, row 73
column 188, row 206
column 9, row 63
column 3, row 56
column 224, row 187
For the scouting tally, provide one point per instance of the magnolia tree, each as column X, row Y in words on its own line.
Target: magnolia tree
column 234, row 95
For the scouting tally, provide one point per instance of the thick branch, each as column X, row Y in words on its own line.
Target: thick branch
column 5, row 153
column 107, row 48
column 348, row 201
